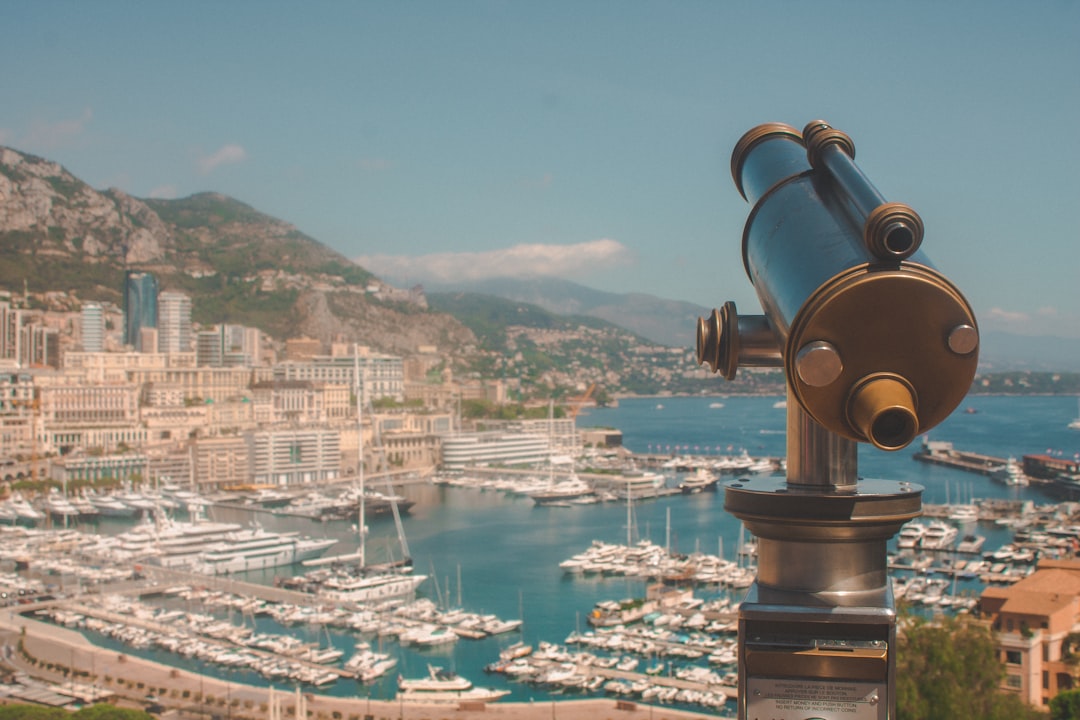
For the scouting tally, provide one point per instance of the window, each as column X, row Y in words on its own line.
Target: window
column 1013, row 657
column 1014, row 682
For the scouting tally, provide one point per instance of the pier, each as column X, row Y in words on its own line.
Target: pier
column 943, row 453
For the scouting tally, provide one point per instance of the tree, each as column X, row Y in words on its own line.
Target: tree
column 105, row 711
column 1065, row 705
column 948, row 669
column 31, row 712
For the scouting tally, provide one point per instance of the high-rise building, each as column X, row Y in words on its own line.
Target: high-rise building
column 140, row 307
column 93, row 328
column 174, row 322
column 11, row 322
column 208, row 348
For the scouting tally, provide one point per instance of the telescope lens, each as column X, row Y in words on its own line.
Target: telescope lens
column 899, row 240
column 882, row 410
column 893, row 429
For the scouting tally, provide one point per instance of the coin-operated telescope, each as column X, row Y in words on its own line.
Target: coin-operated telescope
column 877, row 346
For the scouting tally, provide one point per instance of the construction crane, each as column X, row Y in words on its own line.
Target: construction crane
column 574, row 404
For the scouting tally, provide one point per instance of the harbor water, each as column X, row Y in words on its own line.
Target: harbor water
column 491, row 552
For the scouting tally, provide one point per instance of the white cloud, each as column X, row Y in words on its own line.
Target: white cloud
column 225, row 155
column 1006, row 317
column 50, row 135
column 164, row 192
column 1046, row 320
column 518, row 261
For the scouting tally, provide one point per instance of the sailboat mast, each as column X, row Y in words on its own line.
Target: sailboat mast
column 667, row 532
column 360, row 450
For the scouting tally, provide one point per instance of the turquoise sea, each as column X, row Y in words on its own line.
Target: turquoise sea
column 495, row 553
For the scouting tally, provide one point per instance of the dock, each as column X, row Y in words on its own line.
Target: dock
column 943, row 453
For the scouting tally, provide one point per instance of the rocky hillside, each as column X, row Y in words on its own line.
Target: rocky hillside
column 59, row 234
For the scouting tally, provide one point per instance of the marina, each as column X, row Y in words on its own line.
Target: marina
column 673, row 540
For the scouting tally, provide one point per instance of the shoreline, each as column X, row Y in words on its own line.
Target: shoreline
column 133, row 680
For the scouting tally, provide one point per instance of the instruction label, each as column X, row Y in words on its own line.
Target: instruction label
column 800, row 699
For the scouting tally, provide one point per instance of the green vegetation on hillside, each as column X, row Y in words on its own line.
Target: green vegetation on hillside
column 489, row 316
column 88, row 279
column 205, row 210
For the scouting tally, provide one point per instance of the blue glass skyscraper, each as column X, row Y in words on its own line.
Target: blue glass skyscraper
column 140, row 307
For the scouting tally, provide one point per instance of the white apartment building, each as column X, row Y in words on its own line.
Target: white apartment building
column 79, row 415
column 494, row 448
column 125, row 467
column 220, row 462
column 285, row 401
column 93, row 327
column 174, row 322
column 294, row 456
column 383, row 375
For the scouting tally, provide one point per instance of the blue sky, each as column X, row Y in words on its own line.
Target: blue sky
column 589, row 140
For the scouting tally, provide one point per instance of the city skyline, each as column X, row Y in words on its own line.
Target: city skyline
column 588, row 142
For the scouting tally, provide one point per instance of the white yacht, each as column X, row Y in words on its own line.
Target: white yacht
column 939, row 536
column 25, row 512
column 910, row 536
column 966, row 513
column 376, row 587
column 562, row 491
column 109, row 506
column 443, row 687
column 701, row 479
column 166, row 542
column 1011, row 473
column 258, row 549
column 57, row 505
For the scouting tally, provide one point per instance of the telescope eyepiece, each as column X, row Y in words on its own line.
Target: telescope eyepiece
column 882, row 408
column 893, row 231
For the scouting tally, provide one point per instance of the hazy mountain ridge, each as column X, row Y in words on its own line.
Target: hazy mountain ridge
column 668, row 322
column 674, row 323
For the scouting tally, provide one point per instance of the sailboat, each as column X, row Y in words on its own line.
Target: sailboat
column 571, row 488
column 356, row 581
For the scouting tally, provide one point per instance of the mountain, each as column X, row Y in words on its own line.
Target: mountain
column 1036, row 353
column 674, row 323
column 59, row 235
column 668, row 322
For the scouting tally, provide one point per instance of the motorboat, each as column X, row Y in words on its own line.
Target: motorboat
column 910, row 536
column 967, row 513
column 702, row 479
column 563, row 490
column 442, row 687
column 939, row 536
column 1011, row 473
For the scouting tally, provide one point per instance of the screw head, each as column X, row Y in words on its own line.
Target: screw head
column 963, row 339
column 818, row 363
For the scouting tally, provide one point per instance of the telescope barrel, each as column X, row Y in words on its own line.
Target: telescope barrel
column 891, row 231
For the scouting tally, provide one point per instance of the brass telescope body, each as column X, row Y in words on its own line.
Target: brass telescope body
column 877, row 346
